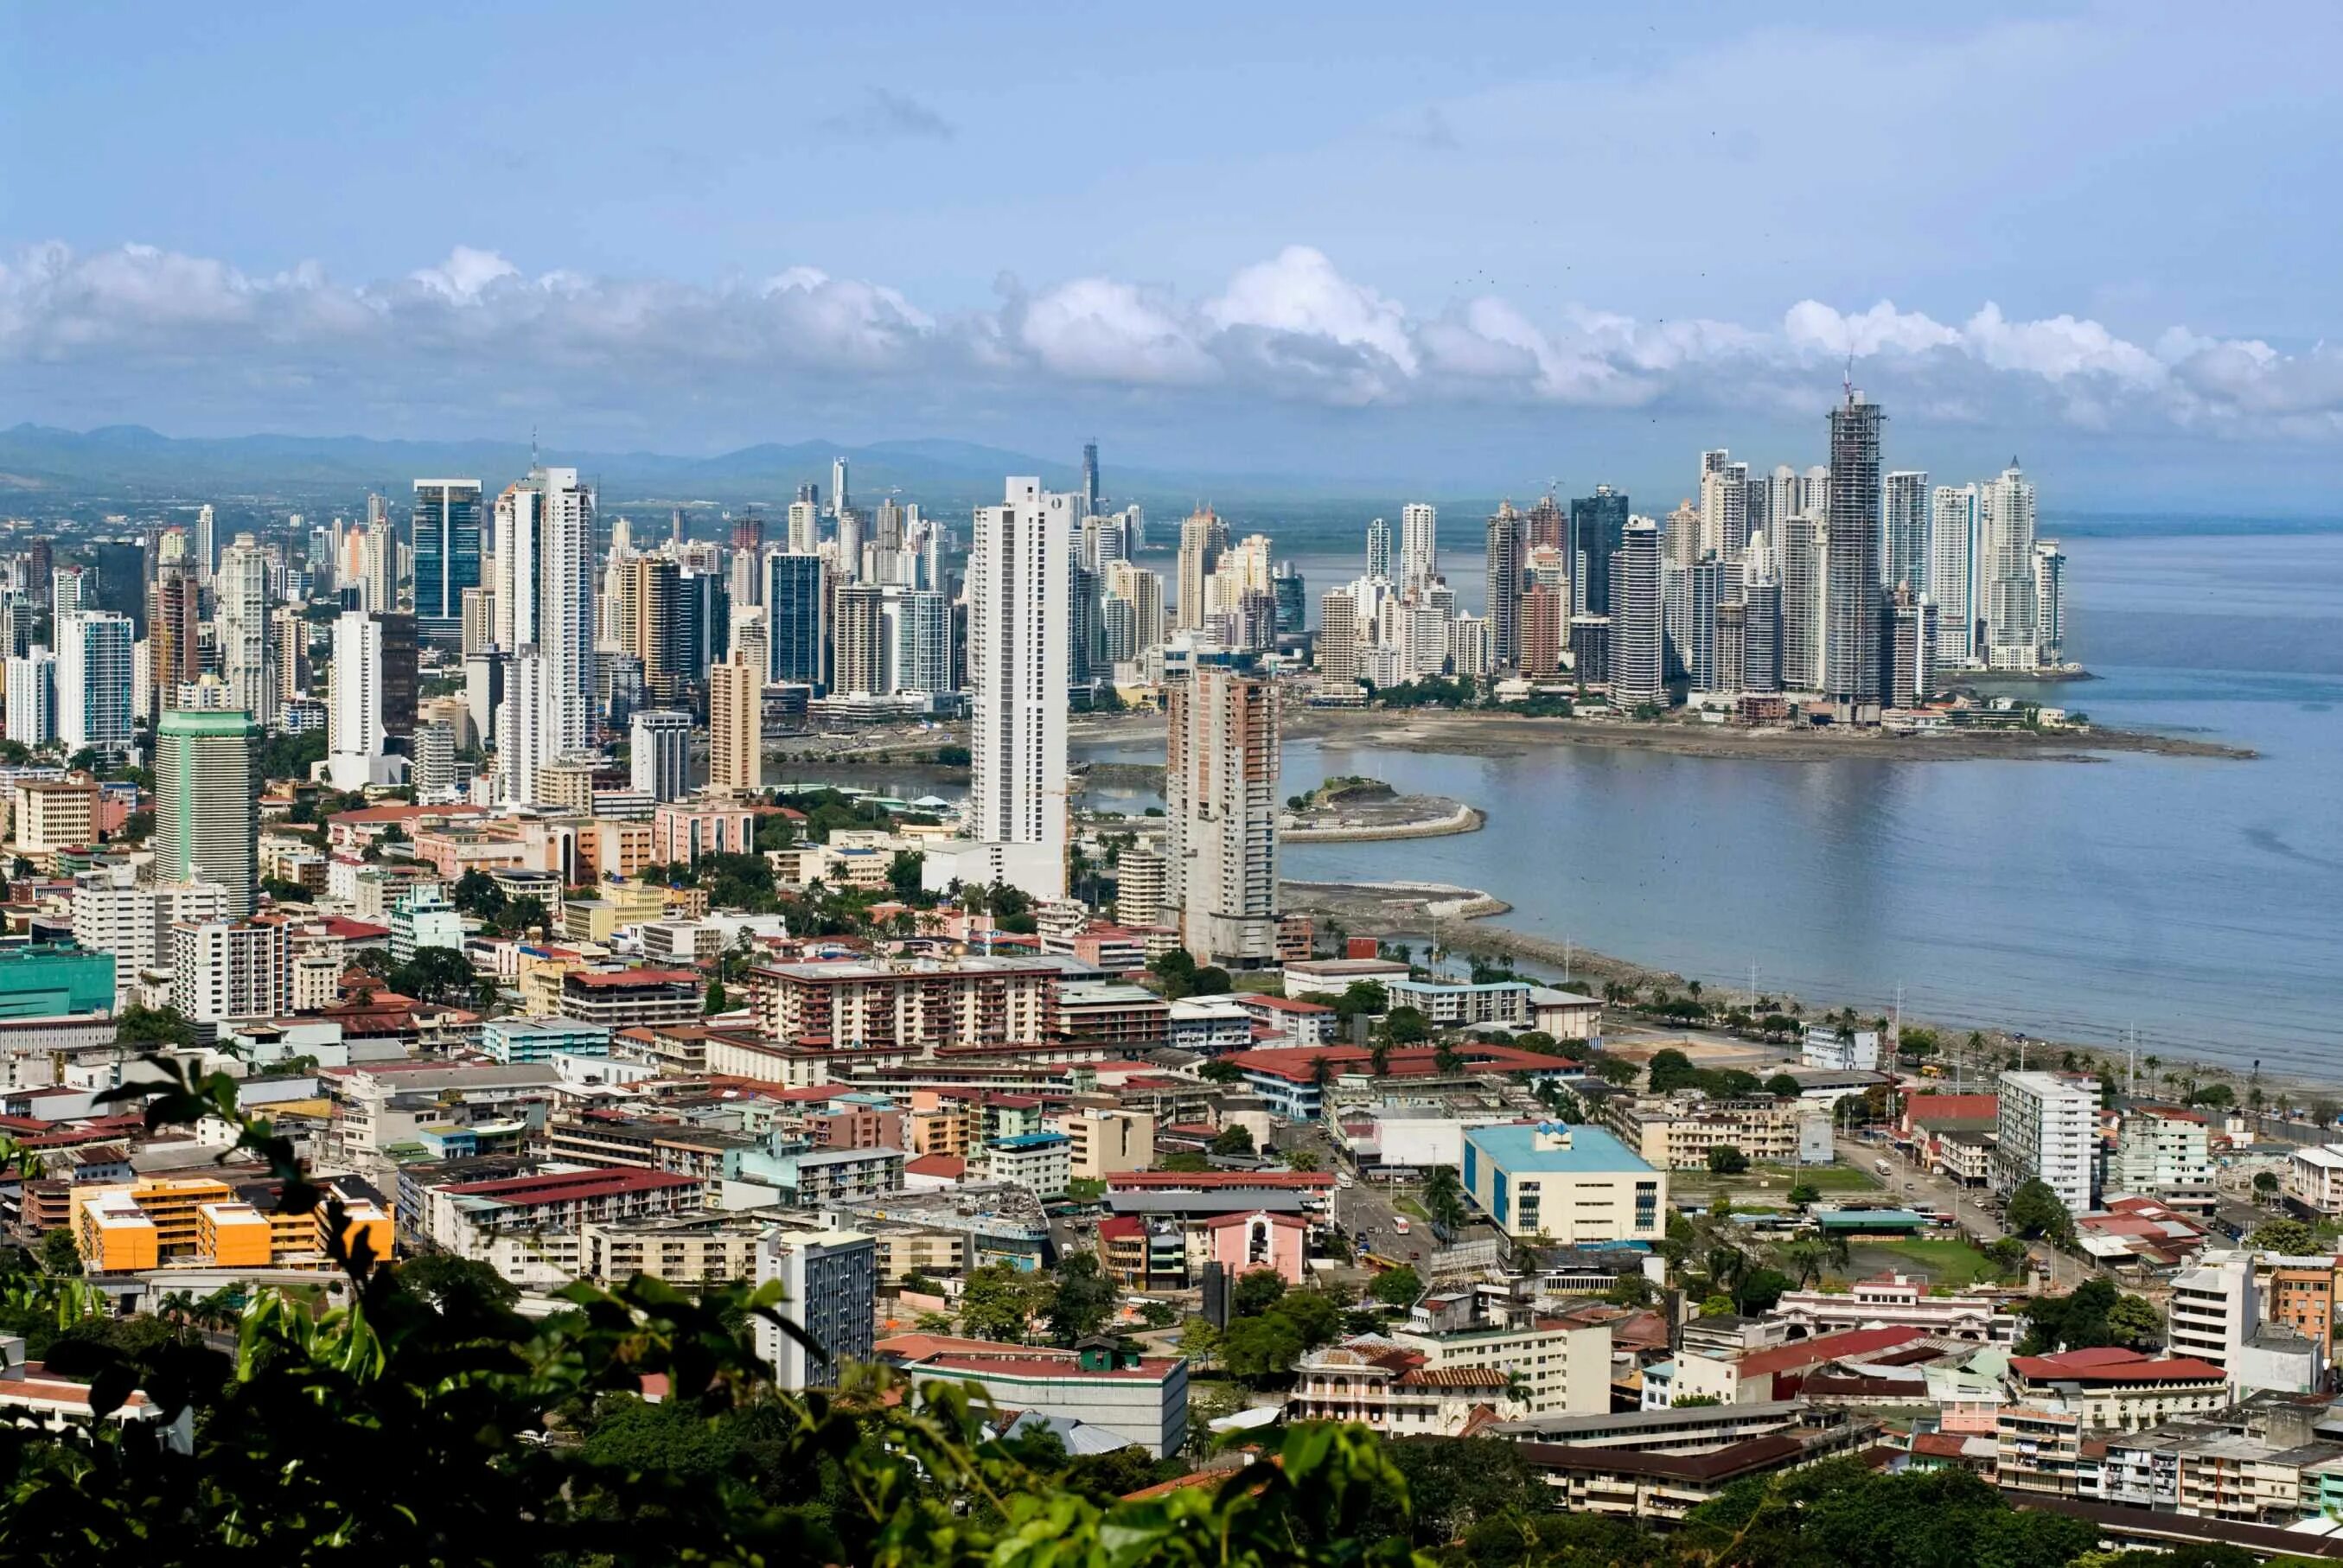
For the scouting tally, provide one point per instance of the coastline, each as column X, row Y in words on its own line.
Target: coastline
column 1415, row 911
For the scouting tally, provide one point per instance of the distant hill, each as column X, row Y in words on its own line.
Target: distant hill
column 132, row 460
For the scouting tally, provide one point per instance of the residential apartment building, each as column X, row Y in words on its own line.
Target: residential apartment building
column 1390, row 1392
column 628, row 998
column 2214, row 1309
column 1041, row 1163
column 829, row 1287
column 1100, row 1142
column 691, row 1250
column 2165, row 1152
column 2314, row 1181
column 921, row 1002
column 1563, row 1364
column 2047, row 1129
column 159, row 1220
column 224, row 968
column 2115, row 1390
column 1451, row 1004
column 1676, row 1133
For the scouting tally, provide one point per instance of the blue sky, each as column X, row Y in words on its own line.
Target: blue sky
column 1472, row 248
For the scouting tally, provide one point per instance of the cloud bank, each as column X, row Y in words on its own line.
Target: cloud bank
column 1291, row 328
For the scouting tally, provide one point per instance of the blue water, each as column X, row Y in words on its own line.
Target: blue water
column 2194, row 899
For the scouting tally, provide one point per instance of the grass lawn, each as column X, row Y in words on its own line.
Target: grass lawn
column 1953, row 1264
column 1820, row 1178
column 1411, row 1209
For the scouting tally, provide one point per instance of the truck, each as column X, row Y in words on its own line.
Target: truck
column 1881, row 1166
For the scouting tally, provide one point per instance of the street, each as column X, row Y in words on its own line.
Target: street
column 1910, row 1183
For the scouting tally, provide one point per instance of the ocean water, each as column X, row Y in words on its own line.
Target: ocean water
column 2195, row 900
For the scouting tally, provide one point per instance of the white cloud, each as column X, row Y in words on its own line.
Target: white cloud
column 1294, row 327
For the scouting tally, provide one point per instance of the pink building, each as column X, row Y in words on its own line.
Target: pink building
column 1244, row 1242
column 683, row 831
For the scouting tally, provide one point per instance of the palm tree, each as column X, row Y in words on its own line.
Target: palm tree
column 1443, row 1197
column 1379, row 1056
column 1802, row 1260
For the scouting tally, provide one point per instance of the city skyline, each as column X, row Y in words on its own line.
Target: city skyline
column 701, row 293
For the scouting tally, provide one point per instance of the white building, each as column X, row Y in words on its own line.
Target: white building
column 2164, row 1152
column 565, row 629
column 1017, row 662
column 244, row 625
column 423, row 918
column 1419, row 544
column 2314, row 1179
column 1856, row 1051
column 2213, row 1310
column 134, row 923
column 33, row 697
column 2047, row 1129
column 434, row 772
column 831, row 1283
column 355, row 737
column 223, row 969
column 1041, row 1163
column 659, row 753
column 93, row 670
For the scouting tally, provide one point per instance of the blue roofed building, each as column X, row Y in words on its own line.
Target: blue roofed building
column 1573, row 1185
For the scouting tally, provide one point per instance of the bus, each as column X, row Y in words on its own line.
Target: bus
column 1399, row 1224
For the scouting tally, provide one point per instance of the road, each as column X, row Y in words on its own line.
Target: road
column 1968, row 1204
column 1365, row 1206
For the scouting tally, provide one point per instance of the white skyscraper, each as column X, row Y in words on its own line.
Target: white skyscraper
column 93, row 670
column 523, row 745
column 1953, row 542
column 245, row 663
column 1018, row 660
column 565, row 629
column 805, row 527
column 1378, row 549
column 205, row 546
column 33, row 697
column 380, row 572
column 521, row 513
column 1419, row 544
column 2006, row 526
column 354, row 697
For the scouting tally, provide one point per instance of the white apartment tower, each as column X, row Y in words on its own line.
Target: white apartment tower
column 1419, row 544
column 565, row 629
column 353, row 731
column 2049, row 1131
column 659, row 753
column 1018, row 659
column 244, row 624
column 94, row 679
column 1219, row 793
column 1953, row 544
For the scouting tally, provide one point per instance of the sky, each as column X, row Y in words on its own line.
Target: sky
column 1478, row 248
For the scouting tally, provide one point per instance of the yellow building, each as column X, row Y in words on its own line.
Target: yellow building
column 159, row 1222
column 616, row 905
column 736, row 761
column 1107, row 1141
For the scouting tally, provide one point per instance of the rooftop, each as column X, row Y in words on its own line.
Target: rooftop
column 1515, row 1147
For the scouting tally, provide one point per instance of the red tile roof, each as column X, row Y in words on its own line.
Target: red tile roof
column 1937, row 1444
column 2110, row 1364
column 1827, row 1348
column 944, row 1167
column 1950, row 1108
column 1283, row 1004
column 560, row 1186
column 1117, row 1227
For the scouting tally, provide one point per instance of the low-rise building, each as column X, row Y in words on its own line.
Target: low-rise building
column 2165, row 1151
column 1390, row 1392
column 1676, row 1133
column 1571, row 1184
column 1662, row 1488
column 1901, row 1301
column 1129, row 1018
column 1142, row 1399
column 2314, row 1181
column 626, row 999
column 1039, row 1162
column 1457, row 1004
column 1101, row 1143
column 2117, row 1390
column 1560, row 1361
column 1295, row 1021
column 534, row 1040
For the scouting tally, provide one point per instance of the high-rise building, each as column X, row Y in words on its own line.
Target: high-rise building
column 2012, row 602
column 227, row 969
column 1290, row 593
column 355, row 732
column 1130, row 612
column 522, row 710
column 2047, row 1130
column 1905, row 504
column 1379, row 554
column 1338, row 637
column 242, row 585
column 434, row 770
column 402, row 681
column 1596, row 523
column 1806, row 591
column 1504, row 587
column 480, row 628
column 915, row 630
column 1089, row 478
column 840, row 505
column 447, row 534
column 520, row 553
column 68, row 590
column 33, row 697
column 796, row 620
column 859, row 662
column 735, row 750
column 207, row 803
column 565, row 620
column 659, row 753
column 1219, row 793
column 1851, row 619
column 93, row 680
column 1419, row 544
column 1703, row 593
column 2049, row 603
column 1017, row 657
column 1911, row 637
column 1545, row 628
column 651, row 625
column 173, row 632
column 1723, row 514
column 1635, row 652
column 831, row 1280
column 1546, row 526
column 1203, row 538
column 205, row 543
column 1953, row 565
column 804, row 535
column 1760, row 618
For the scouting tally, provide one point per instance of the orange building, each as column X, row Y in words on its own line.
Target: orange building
column 159, row 1222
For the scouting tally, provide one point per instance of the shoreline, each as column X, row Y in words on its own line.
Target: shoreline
column 1401, row 910
column 1465, row 819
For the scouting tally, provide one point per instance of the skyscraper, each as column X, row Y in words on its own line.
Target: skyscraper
column 1546, row 526
column 354, row 727
column 1219, row 793
column 242, row 585
column 1761, row 620
column 207, row 803
column 94, row 678
column 659, row 753
column 1089, row 477
column 735, row 750
column 1130, row 612
column 1637, row 654
column 1017, row 657
column 1805, row 566
column 1203, row 538
column 1504, row 587
column 520, row 553
column 858, row 649
column 171, row 634
column 2005, row 507
column 565, row 625
column 651, row 625
column 1378, row 549
column 205, row 547
column 446, row 531
column 1905, row 504
column 1953, row 564
column 797, row 618
column 1596, row 523
column 915, row 625
column 33, row 697
column 1419, row 544
column 839, row 503
column 1852, row 665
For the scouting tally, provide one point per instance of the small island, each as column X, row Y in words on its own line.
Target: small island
column 1349, row 809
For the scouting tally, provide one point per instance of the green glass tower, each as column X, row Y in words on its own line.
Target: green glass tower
column 207, row 803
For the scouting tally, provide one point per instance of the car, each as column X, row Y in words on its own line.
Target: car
column 1415, row 1257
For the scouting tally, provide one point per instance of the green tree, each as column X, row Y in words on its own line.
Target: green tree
column 2290, row 1238
column 59, row 1256
column 998, row 1302
column 1220, row 1070
column 1257, row 1291
column 717, row 999
column 165, row 1026
column 435, row 974
column 1081, row 1301
column 1235, row 1138
column 1398, row 1287
column 1805, row 1193
column 1260, row 1349
column 1782, row 1085
column 2036, row 1214
column 1212, row 980
column 455, row 1285
column 1670, row 1070
column 2134, row 1321
column 904, row 872
column 1724, row 1159
column 2265, row 1186
column 1406, row 1026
